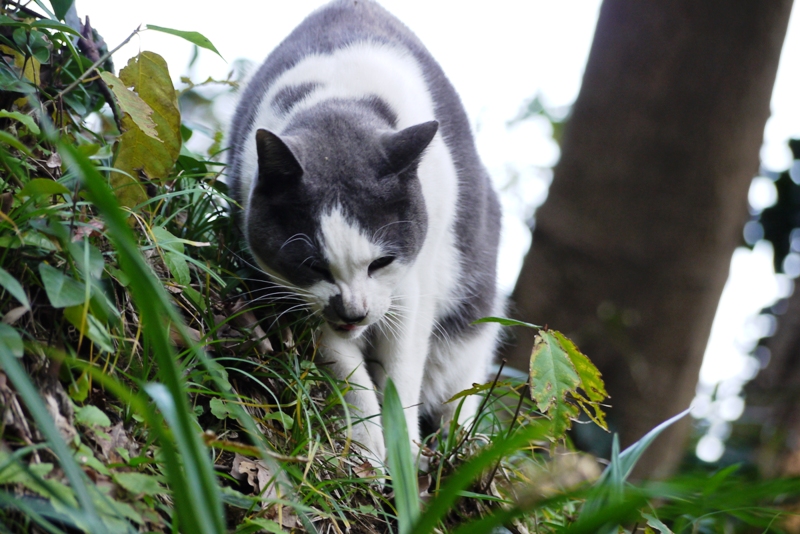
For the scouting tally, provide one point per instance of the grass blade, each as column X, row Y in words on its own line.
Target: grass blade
column 401, row 464
column 446, row 497
column 197, row 495
column 12, row 368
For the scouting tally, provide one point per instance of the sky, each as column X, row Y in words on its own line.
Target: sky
column 498, row 55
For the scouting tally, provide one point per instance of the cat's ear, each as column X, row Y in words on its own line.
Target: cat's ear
column 403, row 148
column 277, row 165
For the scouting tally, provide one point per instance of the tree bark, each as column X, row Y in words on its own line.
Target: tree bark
column 773, row 397
column 632, row 247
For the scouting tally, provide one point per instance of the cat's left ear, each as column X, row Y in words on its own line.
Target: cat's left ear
column 403, row 148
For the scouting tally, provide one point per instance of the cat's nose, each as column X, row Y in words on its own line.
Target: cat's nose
column 345, row 314
column 352, row 319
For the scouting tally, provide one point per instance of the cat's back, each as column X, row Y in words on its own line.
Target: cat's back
column 343, row 24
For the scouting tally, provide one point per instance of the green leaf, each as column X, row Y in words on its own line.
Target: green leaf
column 10, row 140
column 219, row 409
column 130, row 103
column 79, row 389
column 401, row 464
column 88, row 258
column 14, row 288
column 138, row 152
column 53, row 25
column 11, row 339
column 45, row 424
column 88, row 325
column 139, row 483
column 653, row 521
column 284, row 418
column 591, row 381
column 475, row 389
column 257, row 524
column 505, row 322
column 552, row 377
column 61, row 7
column 631, row 455
column 62, row 290
column 92, row 416
column 27, row 120
column 43, row 187
column 193, row 37
column 173, row 254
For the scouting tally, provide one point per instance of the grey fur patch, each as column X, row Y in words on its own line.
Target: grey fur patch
column 287, row 97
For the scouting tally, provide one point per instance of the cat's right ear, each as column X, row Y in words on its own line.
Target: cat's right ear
column 277, row 165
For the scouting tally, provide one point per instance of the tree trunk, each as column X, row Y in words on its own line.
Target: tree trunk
column 632, row 248
column 774, row 395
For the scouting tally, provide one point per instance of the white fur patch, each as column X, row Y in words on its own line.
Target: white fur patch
column 349, row 252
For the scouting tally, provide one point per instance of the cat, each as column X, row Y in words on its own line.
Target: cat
column 361, row 191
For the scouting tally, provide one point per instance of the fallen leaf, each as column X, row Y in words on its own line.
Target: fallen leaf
column 66, row 430
column 54, row 161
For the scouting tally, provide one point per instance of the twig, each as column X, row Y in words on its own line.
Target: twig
column 96, row 64
column 508, row 435
column 480, row 410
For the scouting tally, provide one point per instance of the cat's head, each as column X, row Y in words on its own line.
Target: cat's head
column 337, row 212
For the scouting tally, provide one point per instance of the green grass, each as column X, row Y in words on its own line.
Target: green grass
column 151, row 381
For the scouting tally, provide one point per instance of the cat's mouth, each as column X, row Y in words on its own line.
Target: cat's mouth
column 348, row 331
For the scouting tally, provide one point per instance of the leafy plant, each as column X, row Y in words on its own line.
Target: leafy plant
column 151, row 380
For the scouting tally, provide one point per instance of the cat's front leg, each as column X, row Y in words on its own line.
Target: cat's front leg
column 346, row 360
column 402, row 354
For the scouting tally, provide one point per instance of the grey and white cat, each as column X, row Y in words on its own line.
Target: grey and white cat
column 352, row 158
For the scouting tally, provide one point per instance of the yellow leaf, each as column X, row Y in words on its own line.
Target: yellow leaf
column 30, row 68
column 139, row 153
column 130, row 103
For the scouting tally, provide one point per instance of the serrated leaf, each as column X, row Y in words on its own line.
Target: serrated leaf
column 43, row 187
column 139, row 483
column 11, row 339
column 130, row 103
column 505, row 322
column 591, row 381
column 193, row 37
column 92, row 416
column 27, row 120
column 552, row 377
column 62, row 290
column 139, row 153
column 14, row 288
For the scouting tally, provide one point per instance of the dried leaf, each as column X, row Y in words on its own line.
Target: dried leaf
column 138, row 152
column 54, row 161
column 131, row 104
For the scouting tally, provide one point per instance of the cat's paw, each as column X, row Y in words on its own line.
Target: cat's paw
column 370, row 438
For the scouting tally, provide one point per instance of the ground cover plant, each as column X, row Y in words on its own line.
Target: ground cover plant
column 152, row 381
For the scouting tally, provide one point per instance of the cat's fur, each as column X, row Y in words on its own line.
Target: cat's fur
column 353, row 160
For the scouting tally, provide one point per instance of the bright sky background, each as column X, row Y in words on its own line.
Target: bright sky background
column 498, row 55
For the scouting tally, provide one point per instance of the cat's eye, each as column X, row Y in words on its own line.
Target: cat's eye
column 380, row 263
